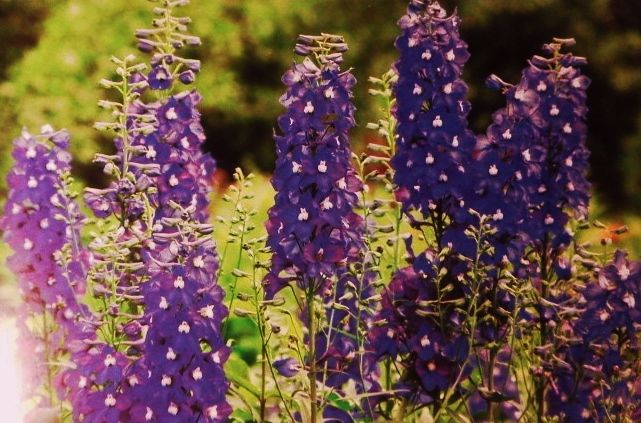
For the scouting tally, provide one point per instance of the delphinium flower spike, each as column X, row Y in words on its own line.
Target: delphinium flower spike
column 313, row 232
column 434, row 145
column 107, row 358
column 41, row 224
column 184, row 346
column 419, row 323
column 550, row 100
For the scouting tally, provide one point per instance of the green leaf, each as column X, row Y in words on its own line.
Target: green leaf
column 237, row 372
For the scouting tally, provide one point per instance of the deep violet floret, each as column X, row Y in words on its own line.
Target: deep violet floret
column 595, row 374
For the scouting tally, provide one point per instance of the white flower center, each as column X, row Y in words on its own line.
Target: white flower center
column 110, row 401
column 437, row 122
column 303, row 215
column 173, row 409
column 329, row 93
column 110, row 360
column 166, row 380
column 171, row 114
column 207, row 311
column 151, row 152
column 199, row 262
column 309, row 108
column 179, row 283
column 171, row 354
column 163, row 303
column 322, row 166
column 429, row 159
column 184, row 327
column 493, row 170
column 27, row 244
column 624, row 272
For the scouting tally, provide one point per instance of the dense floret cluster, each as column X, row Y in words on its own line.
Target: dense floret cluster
column 312, row 228
column 41, row 225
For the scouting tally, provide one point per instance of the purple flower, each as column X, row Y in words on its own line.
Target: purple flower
column 315, row 236
column 423, row 335
column 552, row 96
column 184, row 348
column 41, row 224
column 287, row 367
column 160, row 78
column 312, row 228
column 434, row 145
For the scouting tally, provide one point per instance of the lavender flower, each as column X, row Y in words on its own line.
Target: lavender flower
column 184, row 348
column 41, row 224
column 423, row 333
column 594, row 374
column 420, row 322
column 552, row 95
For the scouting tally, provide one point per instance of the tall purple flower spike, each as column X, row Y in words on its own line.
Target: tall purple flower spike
column 552, row 94
column 312, row 228
column 432, row 171
column 434, row 145
column 313, row 231
column 41, row 224
column 184, row 347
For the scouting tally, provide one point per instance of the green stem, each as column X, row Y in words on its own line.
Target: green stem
column 312, row 353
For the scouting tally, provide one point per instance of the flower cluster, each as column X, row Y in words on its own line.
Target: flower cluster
column 41, row 225
column 420, row 317
column 314, row 234
column 419, row 323
column 168, row 35
column 184, row 348
column 595, row 372
column 552, row 94
column 312, row 228
column 434, row 145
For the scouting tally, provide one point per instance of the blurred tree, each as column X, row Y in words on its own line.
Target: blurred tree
column 247, row 45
